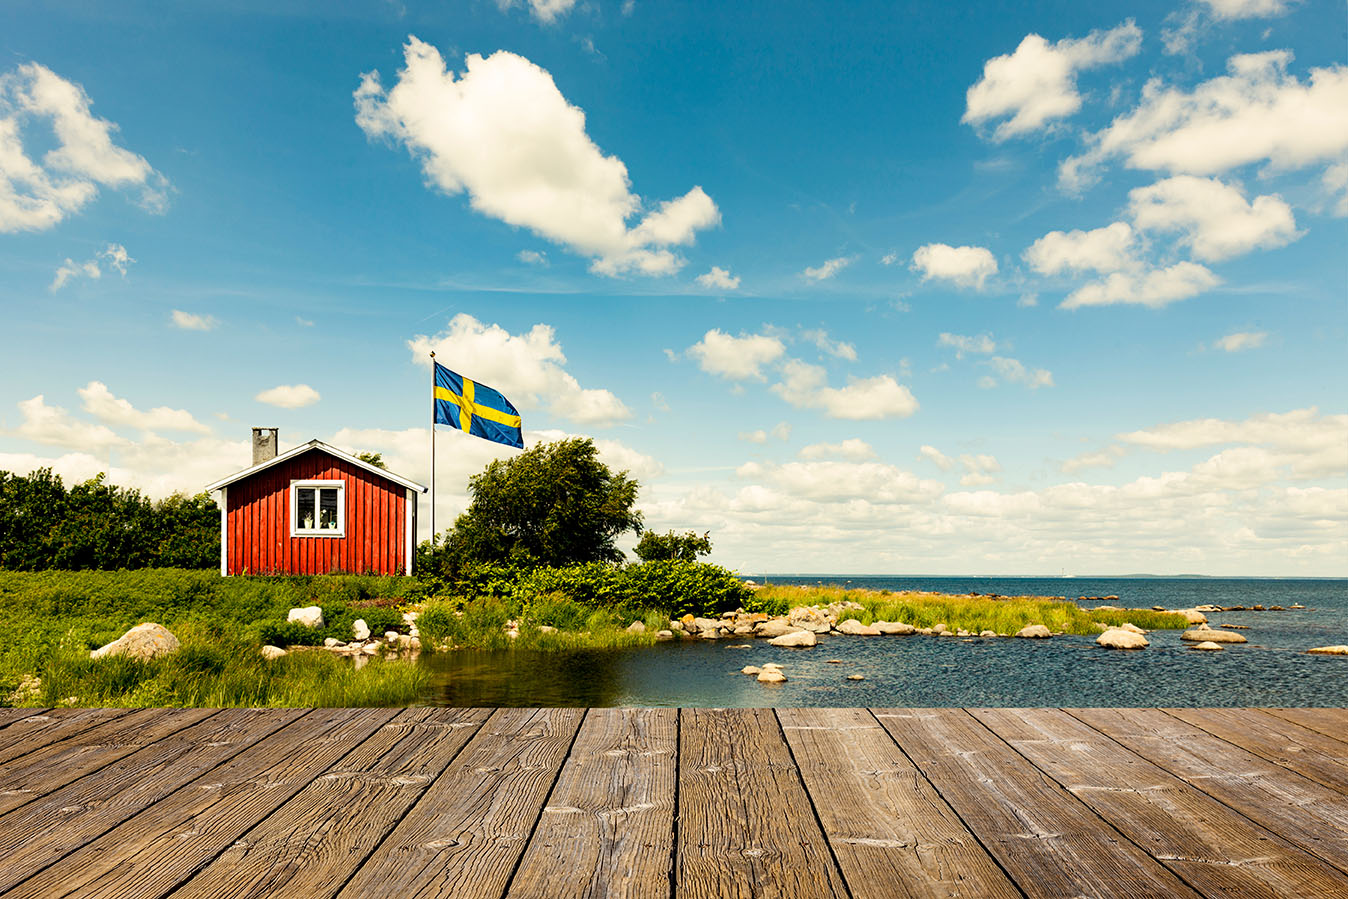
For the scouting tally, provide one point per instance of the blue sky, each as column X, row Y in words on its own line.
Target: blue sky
column 875, row 288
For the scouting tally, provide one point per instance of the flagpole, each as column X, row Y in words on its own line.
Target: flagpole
column 432, row 450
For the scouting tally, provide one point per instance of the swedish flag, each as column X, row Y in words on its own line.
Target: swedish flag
column 475, row 409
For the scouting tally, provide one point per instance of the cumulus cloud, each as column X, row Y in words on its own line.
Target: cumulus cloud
column 1335, row 183
column 1241, row 340
column 836, row 348
column 532, row 257
column 545, row 11
column 1105, row 458
column 1245, row 9
column 963, row 266
column 190, row 321
column 780, row 431
column 718, row 279
column 1104, row 250
column 828, row 269
column 979, row 469
column 115, row 254
column 503, row 133
column 115, row 411
column 1153, row 288
column 527, row 368
column 736, row 358
column 289, row 396
column 853, row 448
column 936, row 457
column 1214, row 219
column 1255, row 113
column 1013, row 371
column 35, row 196
column 963, row 344
column 1300, row 429
column 805, row 386
column 54, row 426
column 874, row 482
column 1036, row 84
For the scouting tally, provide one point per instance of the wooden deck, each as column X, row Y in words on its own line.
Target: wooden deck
column 794, row 803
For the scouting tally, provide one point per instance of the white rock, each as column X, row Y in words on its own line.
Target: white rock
column 410, row 617
column 360, row 630
column 774, row 627
column 546, row 629
column 1193, row 616
column 637, row 627
column 1207, row 635
column 771, row 676
column 1208, row 646
column 144, row 641
column 799, row 638
column 1034, row 631
column 329, row 642
column 309, row 616
column 391, row 636
column 1131, row 628
column 1329, row 651
column 857, row 629
column 1118, row 638
column 272, row 652
column 897, row 628
column 987, row 633
column 664, row 635
column 856, row 677
column 751, row 669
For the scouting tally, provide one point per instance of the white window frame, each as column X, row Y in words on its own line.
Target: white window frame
column 296, row 530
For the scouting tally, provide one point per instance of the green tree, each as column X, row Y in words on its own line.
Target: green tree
column 187, row 532
column 30, row 509
column 553, row 505
column 685, row 547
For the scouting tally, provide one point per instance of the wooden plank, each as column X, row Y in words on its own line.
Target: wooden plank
column 151, row 853
column 51, row 767
column 1307, row 752
column 34, row 731
column 1330, row 722
column 41, row 832
column 465, row 834
column 608, row 827
column 1046, row 840
column 745, row 825
column 314, row 843
column 9, row 716
column 891, row 832
column 1217, row 851
column 1312, row 816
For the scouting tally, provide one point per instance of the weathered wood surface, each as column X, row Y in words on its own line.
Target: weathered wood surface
column 667, row 803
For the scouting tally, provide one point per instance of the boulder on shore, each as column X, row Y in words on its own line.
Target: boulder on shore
column 1118, row 638
column 1329, row 651
column 637, row 627
column 1193, row 616
column 1034, row 631
column 894, row 628
column 360, row 630
column 1208, row 635
column 772, row 675
column 272, row 652
column 1130, row 628
column 855, row 628
column 1207, row 646
column 774, row 627
column 309, row 616
column 144, row 641
column 798, row 639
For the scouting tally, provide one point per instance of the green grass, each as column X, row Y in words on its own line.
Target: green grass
column 972, row 613
column 481, row 624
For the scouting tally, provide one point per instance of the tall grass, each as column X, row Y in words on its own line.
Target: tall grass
column 481, row 624
column 972, row 613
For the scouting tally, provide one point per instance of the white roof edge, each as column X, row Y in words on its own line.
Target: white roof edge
column 318, row 445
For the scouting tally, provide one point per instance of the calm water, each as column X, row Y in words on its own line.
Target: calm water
column 1271, row 670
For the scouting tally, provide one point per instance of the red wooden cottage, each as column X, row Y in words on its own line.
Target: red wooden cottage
column 315, row 510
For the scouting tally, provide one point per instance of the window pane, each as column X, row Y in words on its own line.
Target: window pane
column 304, row 508
column 327, row 509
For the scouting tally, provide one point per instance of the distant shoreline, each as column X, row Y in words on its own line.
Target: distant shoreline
column 1070, row 577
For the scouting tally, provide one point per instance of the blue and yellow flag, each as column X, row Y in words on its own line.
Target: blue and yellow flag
column 475, row 409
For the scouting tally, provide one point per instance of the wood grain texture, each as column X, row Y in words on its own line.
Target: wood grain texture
column 1309, row 814
column 745, row 825
column 1047, row 841
column 312, row 845
column 31, row 732
column 468, row 830
column 891, row 832
column 43, row 831
column 153, row 852
column 9, row 716
column 1330, row 722
column 1216, row 850
column 50, row 767
column 1307, row 752
column 608, row 827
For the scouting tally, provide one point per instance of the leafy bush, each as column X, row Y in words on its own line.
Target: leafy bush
column 686, row 587
column 279, row 632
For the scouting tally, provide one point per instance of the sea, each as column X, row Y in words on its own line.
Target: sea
column 1272, row 669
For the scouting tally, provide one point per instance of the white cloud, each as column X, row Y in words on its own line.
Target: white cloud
column 964, row 266
column 1255, row 113
column 504, row 133
column 1107, row 249
column 1014, row 371
column 117, row 257
column 828, row 269
column 852, row 448
column 1245, row 9
column 936, row 457
column 1037, row 83
column 190, row 321
column 1105, row 458
column 71, row 269
column 733, row 357
column 1214, row 219
column 55, row 426
column 1153, row 288
column 1301, row 429
column 545, row 11
column 36, row 196
column 532, row 257
column 979, row 469
column 526, row 368
column 833, row 347
column 1335, row 182
column 873, row 482
column 719, row 279
column 289, row 396
column 112, row 410
column 1241, row 340
column 805, row 387
column 962, row 344
column 781, row 431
